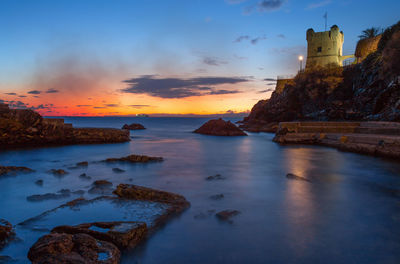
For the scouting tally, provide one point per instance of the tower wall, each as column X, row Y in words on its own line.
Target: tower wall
column 324, row 47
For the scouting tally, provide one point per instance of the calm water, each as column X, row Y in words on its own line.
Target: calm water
column 349, row 211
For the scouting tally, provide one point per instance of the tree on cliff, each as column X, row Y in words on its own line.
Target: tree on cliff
column 370, row 33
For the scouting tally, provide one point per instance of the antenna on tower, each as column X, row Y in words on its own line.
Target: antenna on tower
column 326, row 19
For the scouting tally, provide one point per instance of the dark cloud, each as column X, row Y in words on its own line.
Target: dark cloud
column 139, row 106
column 271, row 83
column 34, row 92
column 99, row 107
column 234, row 2
column 269, row 5
column 83, row 105
column 17, row 104
column 224, row 92
column 241, row 38
column 10, row 93
column 21, row 96
column 270, row 80
column 213, row 61
column 111, row 105
column 52, row 91
column 266, row 90
column 256, row 40
column 179, row 88
column 3, row 101
column 281, row 36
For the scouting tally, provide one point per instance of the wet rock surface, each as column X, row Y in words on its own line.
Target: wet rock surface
column 215, row 177
column 39, row 182
column 77, row 248
column 219, row 127
column 227, row 215
column 85, row 176
column 135, row 159
column 61, row 194
column 6, row 232
column 133, row 126
column 11, row 170
column 122, row 234
column 292, row 176
column 217, row 197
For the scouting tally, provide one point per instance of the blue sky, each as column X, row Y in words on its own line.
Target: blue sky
column 121, row 39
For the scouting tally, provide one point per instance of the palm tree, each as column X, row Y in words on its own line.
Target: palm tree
column 370, row 33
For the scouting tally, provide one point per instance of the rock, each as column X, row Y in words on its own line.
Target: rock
column 217, row 196
column 84, row 176
column 59, row 172
column 215, row 177
column 7, row 260
column 227, row 215
column 122, row 234
column 295, row 177
column 219, row 127
column 135, row 159
column 101, row 187
column 82, row 164
column 13, row 169
column 6, row 232
column 177, row 202
column 118, row 170
column 77, row 248
column 39, row 182
column 48, row 196
column 133, row 126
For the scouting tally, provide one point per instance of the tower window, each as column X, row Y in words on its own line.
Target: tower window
column 319, row 49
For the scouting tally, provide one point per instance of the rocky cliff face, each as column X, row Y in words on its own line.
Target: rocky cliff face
column 28, row 128
column 366, row 91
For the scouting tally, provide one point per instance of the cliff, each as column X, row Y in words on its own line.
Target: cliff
column 23, row 128
column 367, row 91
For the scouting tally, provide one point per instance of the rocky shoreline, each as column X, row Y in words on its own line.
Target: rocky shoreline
column 380, row 139
column 26, row 128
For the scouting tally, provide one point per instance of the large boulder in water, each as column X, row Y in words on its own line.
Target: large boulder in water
column 133, row 126
column 219, row 127
column 6, row 232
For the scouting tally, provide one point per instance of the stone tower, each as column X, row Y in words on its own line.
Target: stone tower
column 325, row 48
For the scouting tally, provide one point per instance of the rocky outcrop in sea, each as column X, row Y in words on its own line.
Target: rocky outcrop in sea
column 24, row 128
column 219, row 127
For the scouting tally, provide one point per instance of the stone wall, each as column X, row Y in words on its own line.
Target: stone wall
column 281, row 83
column 366, row 47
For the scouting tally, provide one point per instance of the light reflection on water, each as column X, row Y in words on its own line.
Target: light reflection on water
column 350, row 203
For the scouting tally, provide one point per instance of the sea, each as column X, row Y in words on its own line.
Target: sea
column 345, row 209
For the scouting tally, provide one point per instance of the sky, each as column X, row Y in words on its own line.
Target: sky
column 159, row 57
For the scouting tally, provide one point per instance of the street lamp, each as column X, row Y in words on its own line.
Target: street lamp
column 301, row 62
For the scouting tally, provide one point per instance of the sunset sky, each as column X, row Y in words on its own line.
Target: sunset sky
column 124, row 57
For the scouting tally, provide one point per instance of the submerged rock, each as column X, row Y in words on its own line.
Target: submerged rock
column 13, row 169
column 77, row 248
column 135, row 159
column 118, row 170
column 82, row 164
column 59, row 172
column 292, row 176
column 215, row 177
column 227, row 215
column 122, row 234
column 84, row 176
column 219, row 127
column 6, row 232
column 217, row 196
column 39, row 182
column 133, row 126
column 101, row 187
column 61, row 194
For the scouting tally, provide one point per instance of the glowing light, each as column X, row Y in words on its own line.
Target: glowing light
column 301, row 58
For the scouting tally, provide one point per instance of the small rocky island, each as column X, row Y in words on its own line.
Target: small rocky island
column 219, row 127
column 25, row 128
column 134, row 126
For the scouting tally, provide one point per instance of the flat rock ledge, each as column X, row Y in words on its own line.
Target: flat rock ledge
column 27, row 128
column 102, row 242
column 371, row 138
column 219, row 127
